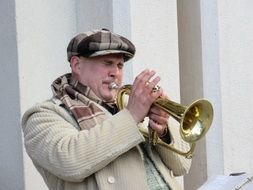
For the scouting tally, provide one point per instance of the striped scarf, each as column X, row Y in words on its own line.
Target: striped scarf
column 79, row 100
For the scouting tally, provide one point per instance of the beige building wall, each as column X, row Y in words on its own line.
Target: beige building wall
column 215, row 53
column 200, row 48
column 235, row 50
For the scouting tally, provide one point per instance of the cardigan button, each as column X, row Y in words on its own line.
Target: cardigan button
column 111, row 179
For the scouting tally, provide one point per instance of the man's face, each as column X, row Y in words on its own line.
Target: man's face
column 99, row 72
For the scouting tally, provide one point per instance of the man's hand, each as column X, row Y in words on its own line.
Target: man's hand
column 158, row 120
column 142, row 95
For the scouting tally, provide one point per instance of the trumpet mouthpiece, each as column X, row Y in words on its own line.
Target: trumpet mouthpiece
column 113, row 85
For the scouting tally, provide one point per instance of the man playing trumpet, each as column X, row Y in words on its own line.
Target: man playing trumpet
column 80, row 140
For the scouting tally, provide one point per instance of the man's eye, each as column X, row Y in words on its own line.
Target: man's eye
column 120, row 66
column 107, row 63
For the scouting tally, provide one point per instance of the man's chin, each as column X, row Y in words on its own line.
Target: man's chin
column 109, row 98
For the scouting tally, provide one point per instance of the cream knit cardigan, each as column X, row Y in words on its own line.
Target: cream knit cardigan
column 106, row 157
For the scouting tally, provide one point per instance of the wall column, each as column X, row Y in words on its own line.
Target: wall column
column 11, row 159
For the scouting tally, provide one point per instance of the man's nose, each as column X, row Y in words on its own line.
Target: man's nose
column 115, row 71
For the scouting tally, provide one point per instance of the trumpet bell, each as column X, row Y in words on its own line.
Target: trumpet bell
column 196, row 120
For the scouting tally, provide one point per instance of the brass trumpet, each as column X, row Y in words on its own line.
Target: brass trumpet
column 195, row 119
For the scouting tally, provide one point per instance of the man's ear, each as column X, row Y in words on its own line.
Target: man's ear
column 74, row 64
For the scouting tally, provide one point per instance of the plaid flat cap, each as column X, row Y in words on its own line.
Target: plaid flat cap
column 100, row 42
